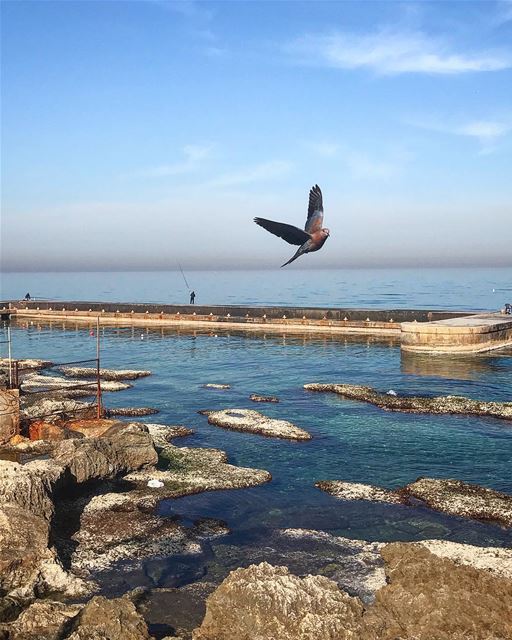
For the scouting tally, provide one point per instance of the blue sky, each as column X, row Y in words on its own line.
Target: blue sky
column 139, row 134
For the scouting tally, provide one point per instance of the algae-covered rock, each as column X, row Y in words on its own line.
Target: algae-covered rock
column 215, row 385
column 131, row 411
column 250, row 421
column 191, row 470
column 268, row 602
column 418, row 404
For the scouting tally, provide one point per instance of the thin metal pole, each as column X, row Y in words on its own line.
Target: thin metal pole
column 10, row 358
column 98, row 411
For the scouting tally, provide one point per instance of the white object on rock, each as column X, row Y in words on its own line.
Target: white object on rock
column 155, row 484
column 391, row 392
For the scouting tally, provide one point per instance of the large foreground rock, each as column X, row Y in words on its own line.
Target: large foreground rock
column 418, row 404
column 447, row 495
column 429, row 597
column 426, row 598
column 251, row 421
column 99, row 619
column 267, row 602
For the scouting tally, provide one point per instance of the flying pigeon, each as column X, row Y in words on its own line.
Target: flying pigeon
column 313, row 236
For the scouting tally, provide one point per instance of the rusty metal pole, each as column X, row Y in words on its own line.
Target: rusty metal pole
column 98, row 382
column 10, row 355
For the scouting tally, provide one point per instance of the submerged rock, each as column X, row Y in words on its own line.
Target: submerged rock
column 105, row 374
column 358, row 491
column 131, row 411
column 251, row 421
column 449, row 496
column 418, row 404
column 256, row 398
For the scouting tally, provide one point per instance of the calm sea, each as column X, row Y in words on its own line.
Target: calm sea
column 351, row 441
column 366, row 288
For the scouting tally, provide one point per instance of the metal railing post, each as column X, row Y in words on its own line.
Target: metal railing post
column 98, row 382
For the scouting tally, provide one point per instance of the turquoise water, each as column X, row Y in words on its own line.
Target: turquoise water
column 372, row 288
column 351, row 441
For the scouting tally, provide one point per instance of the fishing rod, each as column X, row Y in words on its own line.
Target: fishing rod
column 186, row 283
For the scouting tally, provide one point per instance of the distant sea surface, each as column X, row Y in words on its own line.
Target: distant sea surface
column 460, row 289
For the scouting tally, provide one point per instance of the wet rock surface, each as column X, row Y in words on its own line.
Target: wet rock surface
column 453, row 497
column 417, row 404
column 105, row 374
column 250, row 421
column 162, row 434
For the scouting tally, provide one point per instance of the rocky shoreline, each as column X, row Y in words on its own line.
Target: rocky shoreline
column 83, row 498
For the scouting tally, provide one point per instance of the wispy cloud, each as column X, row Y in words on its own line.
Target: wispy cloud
column 194, row 155
column 393, row 52
column 263, row 172
column 486, row 132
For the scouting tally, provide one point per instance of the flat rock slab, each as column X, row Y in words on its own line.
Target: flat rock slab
column 453, row 497
column 131, row 411
column 105, row 374
column 251, row 421
column 38, row 382
column 417, row 404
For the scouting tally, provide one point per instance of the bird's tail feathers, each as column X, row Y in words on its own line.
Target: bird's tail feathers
column 297, row 254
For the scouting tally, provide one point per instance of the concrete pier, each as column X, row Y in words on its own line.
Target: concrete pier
column 423, row 331
column 470, row 334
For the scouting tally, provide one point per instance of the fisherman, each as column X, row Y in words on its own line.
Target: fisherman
column 27, row 296
column 192, row 297
column 507, row 309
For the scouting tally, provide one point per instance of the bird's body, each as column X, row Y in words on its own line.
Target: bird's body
column 312, row 238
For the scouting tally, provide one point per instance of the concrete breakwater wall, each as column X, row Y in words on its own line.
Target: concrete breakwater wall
column 345, row 320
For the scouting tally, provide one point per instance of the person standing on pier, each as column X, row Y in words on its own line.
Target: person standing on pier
column 192, row 297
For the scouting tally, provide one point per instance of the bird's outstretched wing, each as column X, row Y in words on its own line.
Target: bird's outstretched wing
column 315, row 210
column 292, row 235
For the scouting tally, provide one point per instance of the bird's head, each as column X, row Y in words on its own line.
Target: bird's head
column 326, row 232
